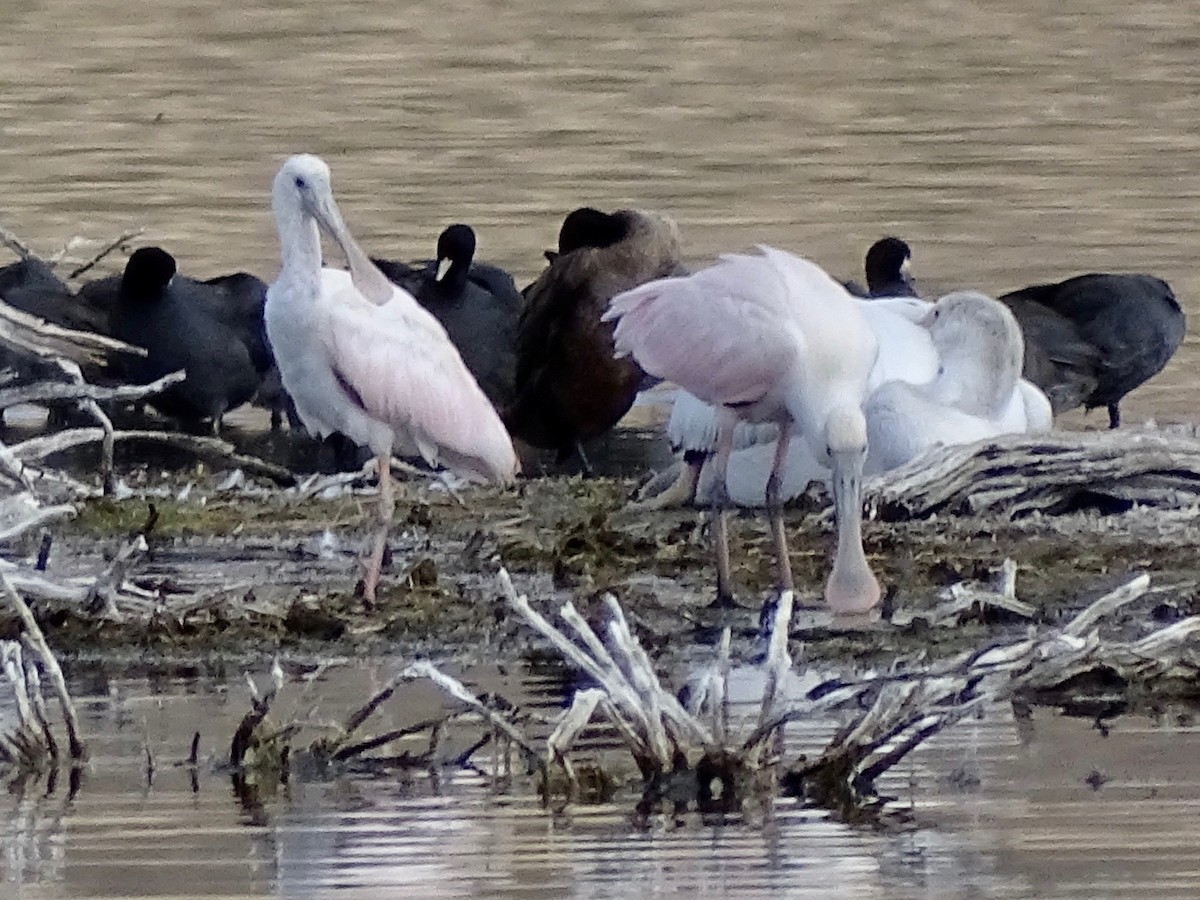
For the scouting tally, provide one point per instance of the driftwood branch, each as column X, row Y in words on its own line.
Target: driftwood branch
column 92, row 408
column 207, row 447
column 102, row 595
column 35, row 642
column 14, row 243
column 1015, row 475
column 20, row 513
column 26, row 334
column 118, row 243
column 51, row 391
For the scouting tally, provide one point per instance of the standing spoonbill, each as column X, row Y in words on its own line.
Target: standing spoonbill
column 360, row 356
column 769, row 338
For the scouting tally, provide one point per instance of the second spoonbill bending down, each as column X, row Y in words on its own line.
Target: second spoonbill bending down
column 360, row 356
column 976, row 393
column 931, row 384
column 769, row 338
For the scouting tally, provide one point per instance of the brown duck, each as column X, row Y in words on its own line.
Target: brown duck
column 570, row 388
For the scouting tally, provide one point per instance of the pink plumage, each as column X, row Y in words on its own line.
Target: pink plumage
column 768, row 338
column 360, row 356
column 406, row 373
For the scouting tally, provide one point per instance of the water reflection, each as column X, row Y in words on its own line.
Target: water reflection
column 1009, row 144
column 1000, row 811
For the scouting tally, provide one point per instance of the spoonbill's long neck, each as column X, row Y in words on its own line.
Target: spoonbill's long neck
column 975, row 383
column 851, row 587
column 299, row 243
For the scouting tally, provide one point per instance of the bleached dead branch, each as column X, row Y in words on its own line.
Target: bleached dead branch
column 24, row 664
column 37, row 448
column 1015, row 475
column 29, row 335
column 889, row 714
column 51, row 391
column 120, row 242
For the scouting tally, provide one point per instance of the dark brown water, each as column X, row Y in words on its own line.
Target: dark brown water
column 1002, row 812
column 1010, row 142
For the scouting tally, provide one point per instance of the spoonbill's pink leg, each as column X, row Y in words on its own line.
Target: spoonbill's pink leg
column 387, row 505
column 775, row 510
column 720, row 506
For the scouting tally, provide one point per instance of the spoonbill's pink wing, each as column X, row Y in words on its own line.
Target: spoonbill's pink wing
column 719, row 333
column 402, row 368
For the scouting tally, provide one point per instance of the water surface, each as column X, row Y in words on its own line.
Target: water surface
column 1010, row 142
column 1000, row 811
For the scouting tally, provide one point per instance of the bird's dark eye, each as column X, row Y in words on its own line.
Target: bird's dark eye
column 300, row 183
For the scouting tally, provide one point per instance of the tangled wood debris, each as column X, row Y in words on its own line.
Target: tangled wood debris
column 1016, row 475
column 28, row 745
column 885, row 715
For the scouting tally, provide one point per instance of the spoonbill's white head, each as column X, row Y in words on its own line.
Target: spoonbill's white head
column 980, row 345
column 303, row 193
column 852, row 587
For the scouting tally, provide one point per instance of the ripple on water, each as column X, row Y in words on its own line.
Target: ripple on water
column 1001, row 811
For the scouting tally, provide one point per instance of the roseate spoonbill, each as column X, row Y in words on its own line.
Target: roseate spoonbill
column 478, row 304
column 361, row 357
column 908, row 354
column 213, row 331
column 1092, row 339
column 975, row 394
column 770, row 338
column 1133, row 323
column 889, row 270
column 569, row 386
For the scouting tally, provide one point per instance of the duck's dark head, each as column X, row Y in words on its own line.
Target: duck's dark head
column 588, row 227
column 888, row 264
column 148, row 272
column 455, row 250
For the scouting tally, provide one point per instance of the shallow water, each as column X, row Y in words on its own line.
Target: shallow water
column 1002, row 812
column 1009, row 142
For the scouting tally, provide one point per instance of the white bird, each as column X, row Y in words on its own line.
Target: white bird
column 770, row 338
column 360, row 356
column 908, row 353
column 975, row 394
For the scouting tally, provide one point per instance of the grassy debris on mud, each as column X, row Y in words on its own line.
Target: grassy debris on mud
column 270, row 569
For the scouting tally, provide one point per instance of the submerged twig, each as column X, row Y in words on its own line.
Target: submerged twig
column 34, row 640
column 459, row 692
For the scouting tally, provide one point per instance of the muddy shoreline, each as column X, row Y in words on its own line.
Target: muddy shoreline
column 273, row 572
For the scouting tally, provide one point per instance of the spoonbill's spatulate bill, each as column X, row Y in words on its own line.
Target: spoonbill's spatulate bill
column 937, row 376
column 360, row 356
column 770, row 338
